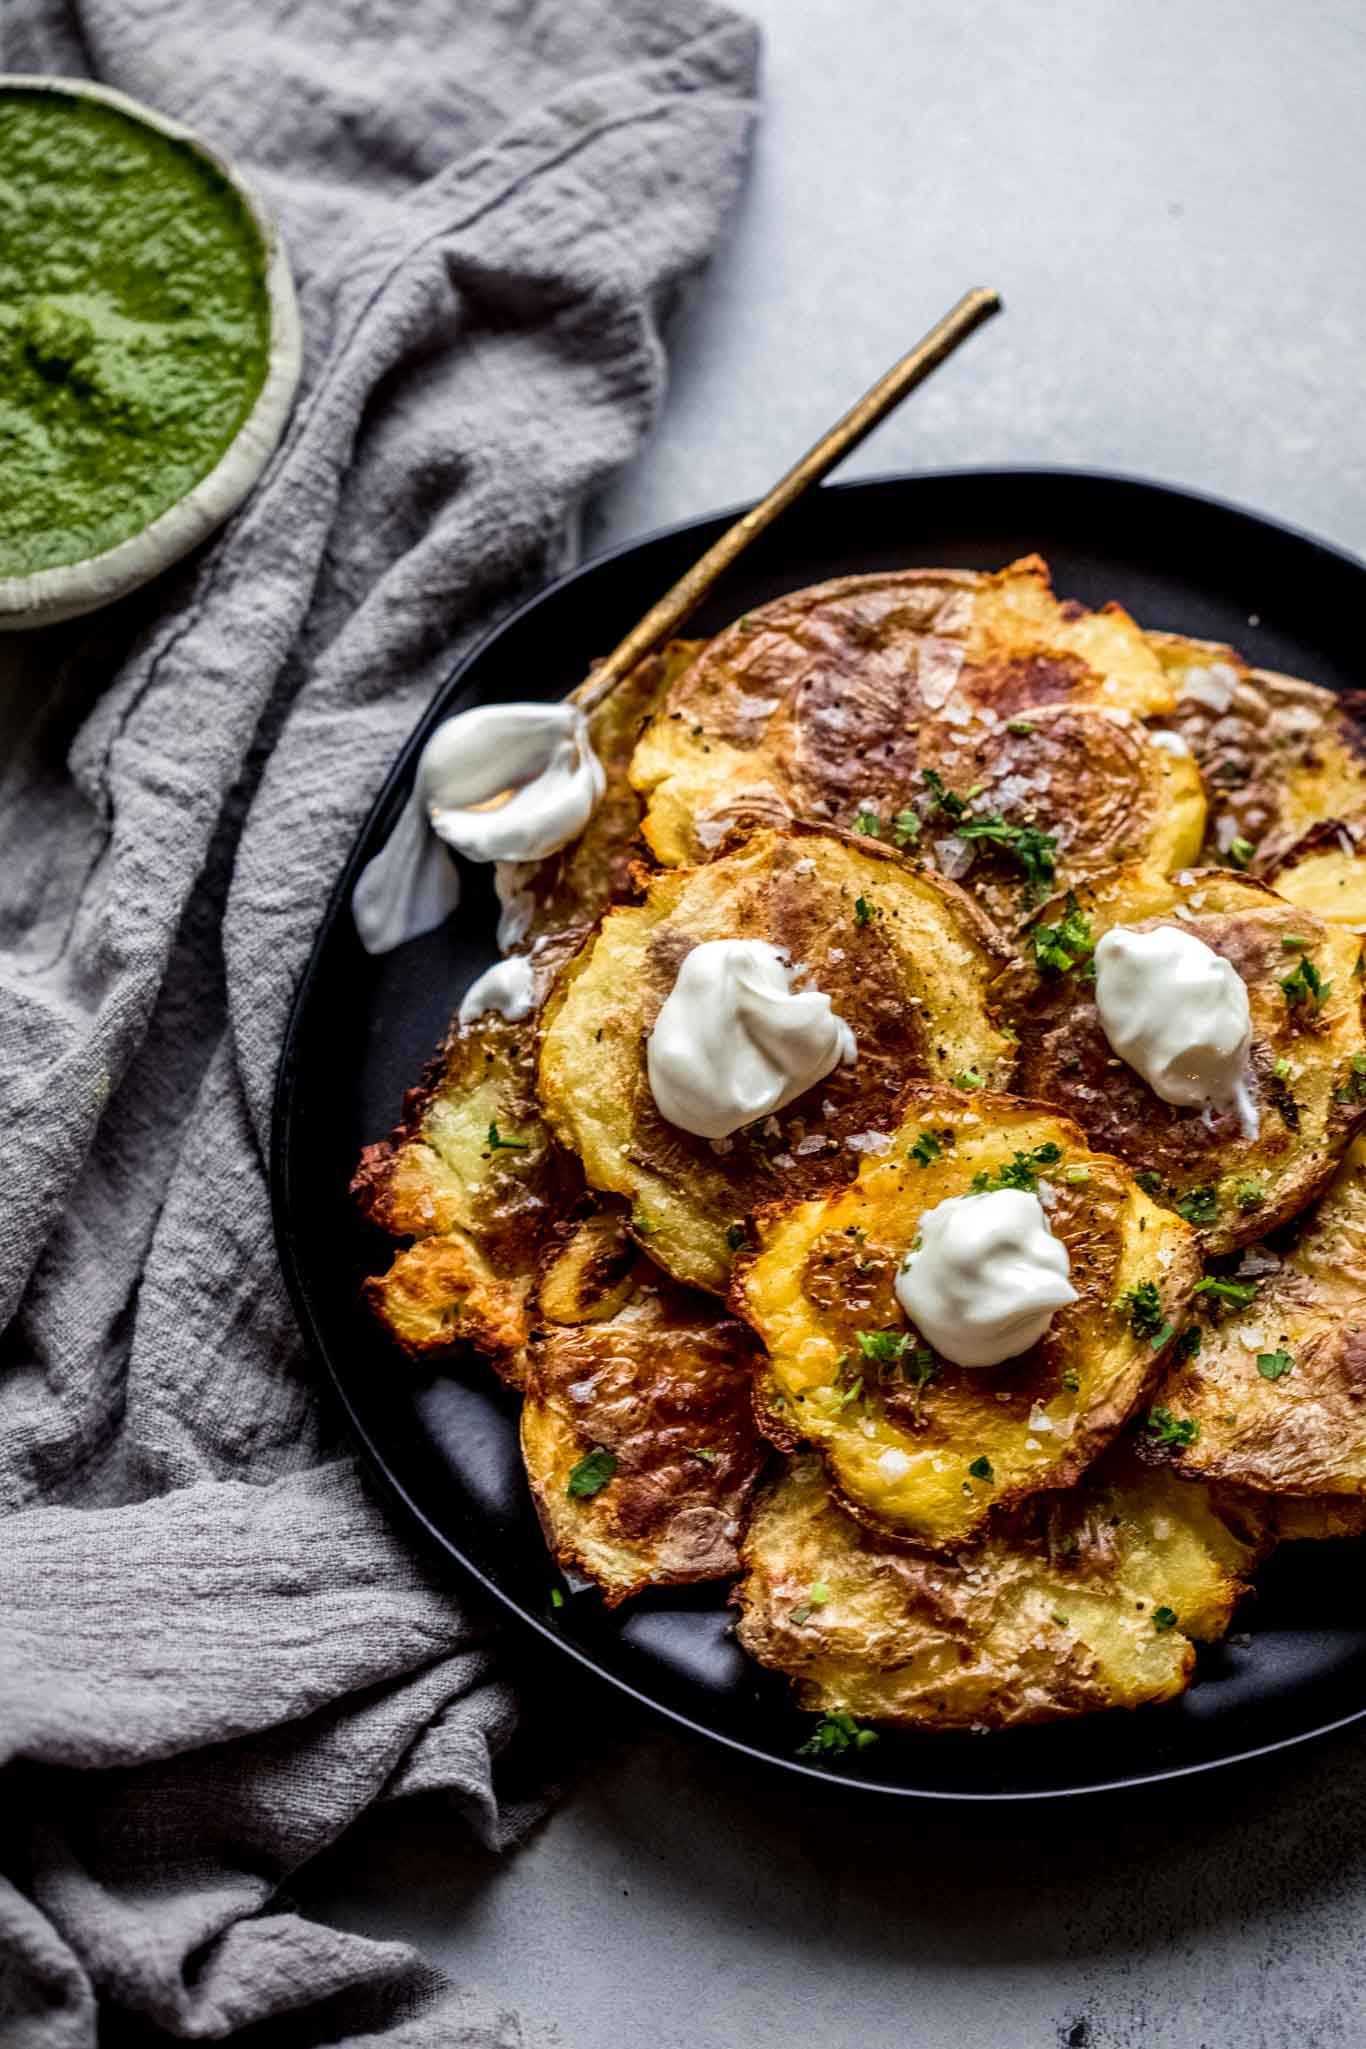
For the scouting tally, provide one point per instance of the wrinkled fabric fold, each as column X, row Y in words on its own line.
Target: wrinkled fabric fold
column 215, row 1651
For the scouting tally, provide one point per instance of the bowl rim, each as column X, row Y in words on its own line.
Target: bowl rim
column 41, row 597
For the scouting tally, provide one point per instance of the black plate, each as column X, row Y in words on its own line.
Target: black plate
column 361, row 1030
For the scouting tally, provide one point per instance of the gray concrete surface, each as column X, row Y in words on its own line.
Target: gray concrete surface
column 1171, row 197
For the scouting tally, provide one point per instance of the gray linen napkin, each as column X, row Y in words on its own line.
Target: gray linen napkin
column 213, row 1651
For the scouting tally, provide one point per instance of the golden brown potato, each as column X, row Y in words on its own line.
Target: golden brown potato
column 1088, row 1600
column 570, row 889
column 1324, row 871
column 1231, row 1186
column 926, row 1449
column 1275, row 1397
column 907, row 971
column 471, row 1177
column 479, row 1213
column 637, row 1427
column 1277, row 754
column 836, row 700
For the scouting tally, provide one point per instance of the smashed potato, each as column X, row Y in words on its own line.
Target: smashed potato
column 837, row 699
column 1277, row 754
column 906, row 960
column 924, row 1448
column 1306, row 1003
column 470, row 1176
column 637, row 1428
column 1275, row 1396
column 1091, row 1599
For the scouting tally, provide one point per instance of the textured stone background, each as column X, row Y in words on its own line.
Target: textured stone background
column 1170, row 197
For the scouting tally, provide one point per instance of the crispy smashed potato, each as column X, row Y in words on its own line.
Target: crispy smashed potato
column 1091, row 1599
column 835, row 700
column 641, row 1389
column 1275, row 1397
column 1307, row 1039
column 906, row 960
column 1324, row 871
column 1277, row 754
column 924, row 1448
column 470, row 1176
column 568, row 890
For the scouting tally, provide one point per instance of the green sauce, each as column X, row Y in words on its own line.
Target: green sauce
column 134, row 325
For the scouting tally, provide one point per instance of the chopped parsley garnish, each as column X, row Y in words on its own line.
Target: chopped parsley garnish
column 1071, row 1379
column 819, row 1594
column 1188, row 1344
column 1032, row 851
column 1163, row 1620
column 641, row 1223
column 968, row 1079
column 1353, row 1090
column 704, row 1452
column 918, row 1371
column 592, row 1473
column 1248, row 1195
column 1294, row 942
column 867, row 822
column 1149, row 1182
column 1020, row 1171
column 1274, row 1365
column 1199, row 1205
column 947, row 801
column 906, row 828
column 1021, row 728
column 736, row 1236
column 834, row 1734
column 1166, row 1429
column 928, row 1147
column 556, row 1598
column 1240, row 852
column 1077, row 1175
column 1239, row 1293
column 1306, row 985
column 1061, row 947
column 1142, row 1309
column 864, row 912
column 506, row 1145
column 883, row 1346
column 1059, row 1618
column 1281, row 1069
column 981, row 1468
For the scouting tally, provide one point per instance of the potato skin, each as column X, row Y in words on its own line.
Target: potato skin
column 1303, row 1434
column 909, row 977
column 824, row 1271
column 1277, row 754
column 1306, row 1120
column 623, row 1359
column 842, row 694
column 1051, row 1615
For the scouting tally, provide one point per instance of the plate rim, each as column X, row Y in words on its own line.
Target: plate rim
column 418, row 1523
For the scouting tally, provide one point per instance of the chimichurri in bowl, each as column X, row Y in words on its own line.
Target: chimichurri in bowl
column 149, row 345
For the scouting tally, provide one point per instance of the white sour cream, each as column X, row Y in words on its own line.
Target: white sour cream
column 1177, row 1013
column 986, row 1277
column 509, row 987
column 501, row 782
column 1169, row 742
column 734, row 1041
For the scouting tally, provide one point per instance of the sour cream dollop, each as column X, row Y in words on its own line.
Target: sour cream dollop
column 509, row 987
column 1178, row 1014
column 500, row 782
column 986, row 1277
column 734, row 1041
